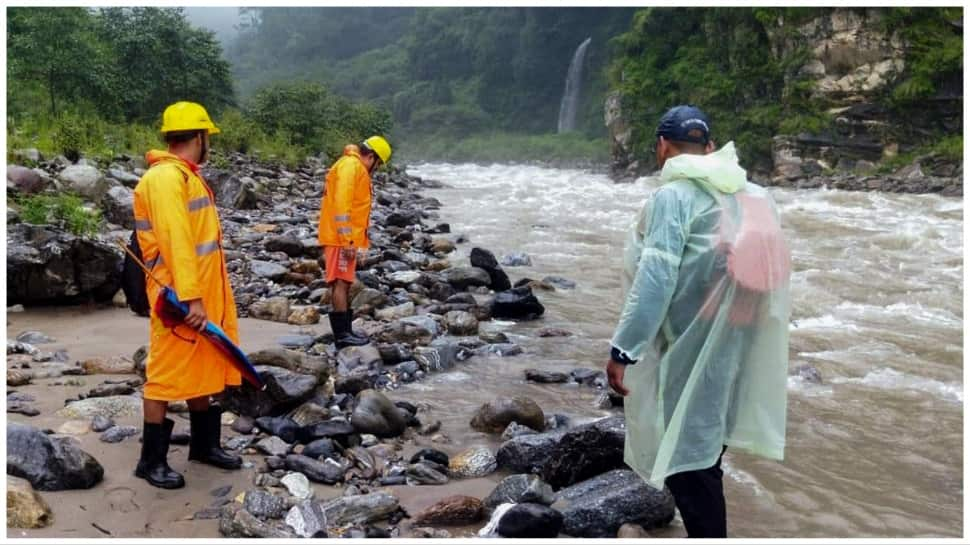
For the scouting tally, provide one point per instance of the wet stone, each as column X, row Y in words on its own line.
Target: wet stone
column 118, row 434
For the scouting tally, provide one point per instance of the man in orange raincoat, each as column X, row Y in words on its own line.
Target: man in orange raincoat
column 344, row 219
column 181, row 241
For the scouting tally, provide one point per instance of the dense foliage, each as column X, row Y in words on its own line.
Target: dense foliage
column 727, row 63
column 95, row 82
column 444, row 72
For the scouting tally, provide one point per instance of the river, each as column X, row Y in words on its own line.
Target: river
column 876, row 450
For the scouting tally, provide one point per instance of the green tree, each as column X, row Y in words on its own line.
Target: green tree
column 57, row 50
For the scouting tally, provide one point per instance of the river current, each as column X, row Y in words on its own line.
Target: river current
column 875, row 450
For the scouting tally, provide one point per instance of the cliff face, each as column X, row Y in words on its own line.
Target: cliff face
column 848, row 62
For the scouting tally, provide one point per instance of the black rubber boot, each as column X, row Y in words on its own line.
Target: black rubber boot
column 349, row 326
column 342, row 337
column 153, row 464
column 205, row 442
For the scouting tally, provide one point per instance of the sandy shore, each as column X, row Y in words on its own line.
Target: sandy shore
column 125, row 506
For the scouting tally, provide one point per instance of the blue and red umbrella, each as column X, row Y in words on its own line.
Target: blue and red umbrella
column 172, row 312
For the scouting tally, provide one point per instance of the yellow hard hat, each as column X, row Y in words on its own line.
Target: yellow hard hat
column 187, row 116
column 379, row 146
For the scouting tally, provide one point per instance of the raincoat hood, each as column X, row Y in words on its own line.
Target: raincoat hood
column 158, row 155
column 719, row 170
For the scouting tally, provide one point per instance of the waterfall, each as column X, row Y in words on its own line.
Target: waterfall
column 570, row 96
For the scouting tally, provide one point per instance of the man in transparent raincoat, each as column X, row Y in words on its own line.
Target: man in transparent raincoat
column 701, row 348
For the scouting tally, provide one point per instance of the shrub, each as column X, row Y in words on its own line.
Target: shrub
column 65, row 209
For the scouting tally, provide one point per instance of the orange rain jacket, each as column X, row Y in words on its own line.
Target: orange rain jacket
column 345, row 209
column 181, row 241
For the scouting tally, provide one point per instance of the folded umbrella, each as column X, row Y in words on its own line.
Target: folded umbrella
column 172, row 312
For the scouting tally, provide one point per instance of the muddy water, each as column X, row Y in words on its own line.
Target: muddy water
column 876, row 450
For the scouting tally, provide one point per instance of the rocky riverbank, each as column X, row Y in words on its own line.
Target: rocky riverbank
column 328, row 450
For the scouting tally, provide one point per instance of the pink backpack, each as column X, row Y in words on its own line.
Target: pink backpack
column 758, row 258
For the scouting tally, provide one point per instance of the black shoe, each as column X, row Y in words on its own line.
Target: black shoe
column 205, row 441
column 342, row 337
column 153, row 464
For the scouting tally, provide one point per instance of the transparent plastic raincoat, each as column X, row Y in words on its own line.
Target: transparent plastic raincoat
column 706, row 275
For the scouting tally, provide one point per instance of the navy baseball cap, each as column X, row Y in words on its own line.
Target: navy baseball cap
column 685, row 123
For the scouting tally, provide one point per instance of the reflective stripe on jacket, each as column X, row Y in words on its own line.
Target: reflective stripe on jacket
column 181, row 240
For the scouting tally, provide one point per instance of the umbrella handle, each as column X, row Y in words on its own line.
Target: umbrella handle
column 138, row 260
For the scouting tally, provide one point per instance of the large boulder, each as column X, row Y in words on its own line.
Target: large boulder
column 486, row 261
column 377, row 415
column 119, row 206
column 25, row 180
column 49, row 463
column 25, row 507
column 48, row 267
column 495, row 416
column 599, row 506
column 285, row 390
column 84, row 180
column 528, row 453
column 232, row 191
column 586, row 451
column 462, row 278
column 517, row 303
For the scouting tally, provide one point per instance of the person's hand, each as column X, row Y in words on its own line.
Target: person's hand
column 196, row 318
column 614, row 372
column 348, row 253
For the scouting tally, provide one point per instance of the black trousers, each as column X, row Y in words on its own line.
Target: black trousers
column 699, row 496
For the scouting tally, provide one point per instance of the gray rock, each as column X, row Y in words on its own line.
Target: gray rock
column 295, row 341
column 517, row 303
column 515, row 429
column 809, row 373
column 585, row 451
column 599, row 506
column 46, row 266
column 485, row 260
column 25, row 180
column 518, row 259
column 366, row 357
column 426, row 473
column 461, row 323
column 560, row 282
column 288, row 244
column 440, row 356
column 49, row 463
column 118, row 434
column 464, row 277
column 276, row 309
column 111, row 407
column 396, row 312
column 279, row 426
column 426, row 322
column 101, row 423
column 238, row 522
column 377, row 415
column 495, row 416
column 368, row 297
column 361, row 509
column 84, row 180
column 521, row 488
column 297, row 485
column 264, row 505
column 34, row 337
column 309, row 414
column 405, row 331
column 267, row 269
column 320, row 448
column 307, row 519
column 273, row 446
column 472, row 463
column 494, row 337
column 528, row 453
column 530, row 520
column 326, row 472
column 546, row 377
column 126, row 178
column 403, row 278
column 119, row 206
